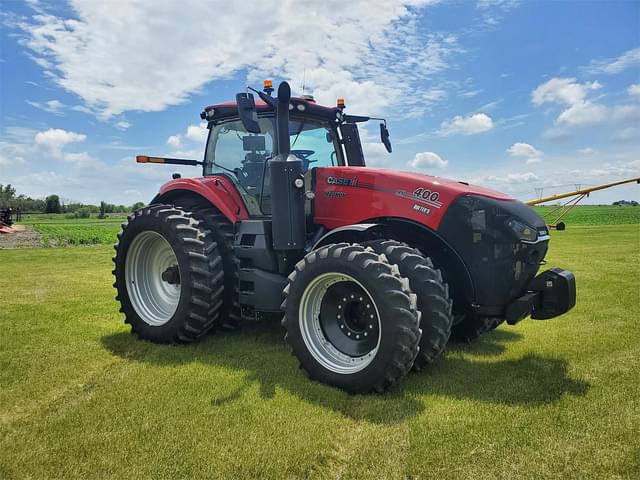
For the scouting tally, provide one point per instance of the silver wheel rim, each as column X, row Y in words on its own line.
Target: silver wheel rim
column 154, row 299
column 313, row 335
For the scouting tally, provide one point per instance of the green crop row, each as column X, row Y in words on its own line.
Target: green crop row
column 592, row 215
column 73, row 234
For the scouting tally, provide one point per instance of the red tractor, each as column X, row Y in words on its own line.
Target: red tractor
column 372, row 270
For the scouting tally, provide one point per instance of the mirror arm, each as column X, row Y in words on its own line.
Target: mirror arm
column 381, row 119
column 269, row 100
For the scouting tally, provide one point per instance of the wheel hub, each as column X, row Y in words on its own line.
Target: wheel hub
column 171, row 275
column 348, row 319
column 152, row 278
column 340, row 323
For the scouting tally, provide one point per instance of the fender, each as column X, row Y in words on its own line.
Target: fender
column 455, row 271
column 358, row 233
column 216, row 190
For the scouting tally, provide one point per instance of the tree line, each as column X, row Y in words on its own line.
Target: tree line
column 55, row 204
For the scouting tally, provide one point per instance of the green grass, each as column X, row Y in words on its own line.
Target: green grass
column 592, row 215
column 80, row 397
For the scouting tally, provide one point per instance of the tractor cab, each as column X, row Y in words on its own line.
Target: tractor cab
column 243, row 140
column 243, row 156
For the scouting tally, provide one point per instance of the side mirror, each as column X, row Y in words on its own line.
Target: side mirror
column 247, row 112
column 384, row 137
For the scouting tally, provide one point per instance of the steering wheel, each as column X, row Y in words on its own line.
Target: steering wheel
column 304, row 156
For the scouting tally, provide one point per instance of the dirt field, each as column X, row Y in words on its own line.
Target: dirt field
column 23, row 236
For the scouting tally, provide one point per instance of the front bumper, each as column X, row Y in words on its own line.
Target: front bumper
column 549, row 295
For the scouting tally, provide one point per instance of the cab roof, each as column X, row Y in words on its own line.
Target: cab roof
column 300, row 106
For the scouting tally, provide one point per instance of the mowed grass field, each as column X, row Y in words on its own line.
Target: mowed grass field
column 80, row 397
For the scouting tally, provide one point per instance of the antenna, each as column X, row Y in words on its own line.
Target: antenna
column 304, row 76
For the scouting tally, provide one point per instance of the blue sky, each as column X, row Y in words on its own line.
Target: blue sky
column 513, row 95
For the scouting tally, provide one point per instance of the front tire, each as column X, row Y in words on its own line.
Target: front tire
column 351, row 319
column 168, row 275
column 433, row 296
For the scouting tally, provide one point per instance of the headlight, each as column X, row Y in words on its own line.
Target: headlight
column 522, row 231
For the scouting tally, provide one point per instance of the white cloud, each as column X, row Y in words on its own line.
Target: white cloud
column 470, row 93
column 582, row 114
column 375, row 153
column 467, row 125
column 524, row 150
column 427, row 160
column 81, row 157
column 533, row 160
column 5, row 160
column 51, row 106
column 626, row 134
column 562, row 90
column 493, row 11
column 352, row 51
column 526, row 177
column 626, row 113
column 610, row 66
column 122, row 125
column 194, row 133
column 174, row 141
column 197, row 133
column 55, row 139
column 586, row 151
column 619, row 169
column 634, row 90
column 579, row 110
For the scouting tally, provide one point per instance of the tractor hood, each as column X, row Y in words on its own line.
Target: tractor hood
column 356, row 194
column 459, row 188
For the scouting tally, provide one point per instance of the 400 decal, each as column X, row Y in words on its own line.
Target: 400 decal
column 426, row 194
column 422, row 195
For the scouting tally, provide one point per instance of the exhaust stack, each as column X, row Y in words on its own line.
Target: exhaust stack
column 288, row 222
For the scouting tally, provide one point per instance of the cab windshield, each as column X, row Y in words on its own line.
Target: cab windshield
column 243, row 156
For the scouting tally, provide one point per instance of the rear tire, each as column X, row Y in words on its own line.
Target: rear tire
column 168, row 275
column 433, row 296
column 351, row 319
column 223, row 234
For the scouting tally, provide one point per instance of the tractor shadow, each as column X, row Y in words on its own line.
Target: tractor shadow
column 492, row 343
column 260, row 354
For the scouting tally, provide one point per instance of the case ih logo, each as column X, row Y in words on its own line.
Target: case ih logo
column 349, row 182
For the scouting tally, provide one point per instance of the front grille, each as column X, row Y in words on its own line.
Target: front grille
column 500, row 265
